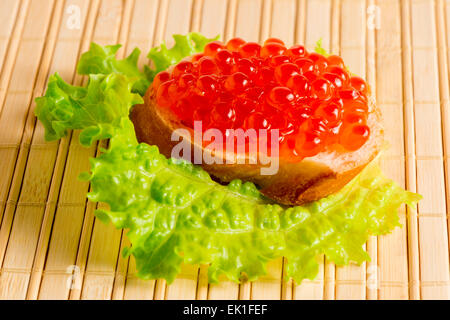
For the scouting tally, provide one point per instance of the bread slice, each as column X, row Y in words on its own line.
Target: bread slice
column 294, row 184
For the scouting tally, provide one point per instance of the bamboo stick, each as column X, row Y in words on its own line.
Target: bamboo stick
column 444, row 95
column 12, row 47
column 125, row 277
column 213, row 18
column 248, row 19
column 283, row 20
column 196, row 15
column 15, row 140
column 202, row 283
column 372, row 245
column 8, row 14
column 265, row 20
column 351, row 280
column 184, row 287
column 300, row 28
column 230, row 24
column 100, row 267
column 433, row 239
column 393, row 256
column 137, row 288
column 447, row 31
column 410, row 147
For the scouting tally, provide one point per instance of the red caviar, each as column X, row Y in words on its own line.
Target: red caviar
column 310, row 98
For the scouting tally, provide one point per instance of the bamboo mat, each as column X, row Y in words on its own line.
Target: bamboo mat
column 51, row 245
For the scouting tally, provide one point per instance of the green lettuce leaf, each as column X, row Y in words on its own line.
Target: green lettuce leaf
column 109, row 95
column 185, row 45
column 176, row 213
column 319, row 48
column 97, row 109
column 102, row 60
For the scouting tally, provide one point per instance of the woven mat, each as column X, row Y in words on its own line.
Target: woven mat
column 51, row 245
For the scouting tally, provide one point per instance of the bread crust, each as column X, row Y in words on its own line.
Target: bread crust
column 294, row 184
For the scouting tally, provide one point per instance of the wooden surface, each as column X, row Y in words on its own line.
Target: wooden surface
column 51, row 245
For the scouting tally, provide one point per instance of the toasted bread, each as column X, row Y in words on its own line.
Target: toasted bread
column 294, row 184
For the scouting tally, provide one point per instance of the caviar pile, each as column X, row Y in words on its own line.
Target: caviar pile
column 311, row 99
